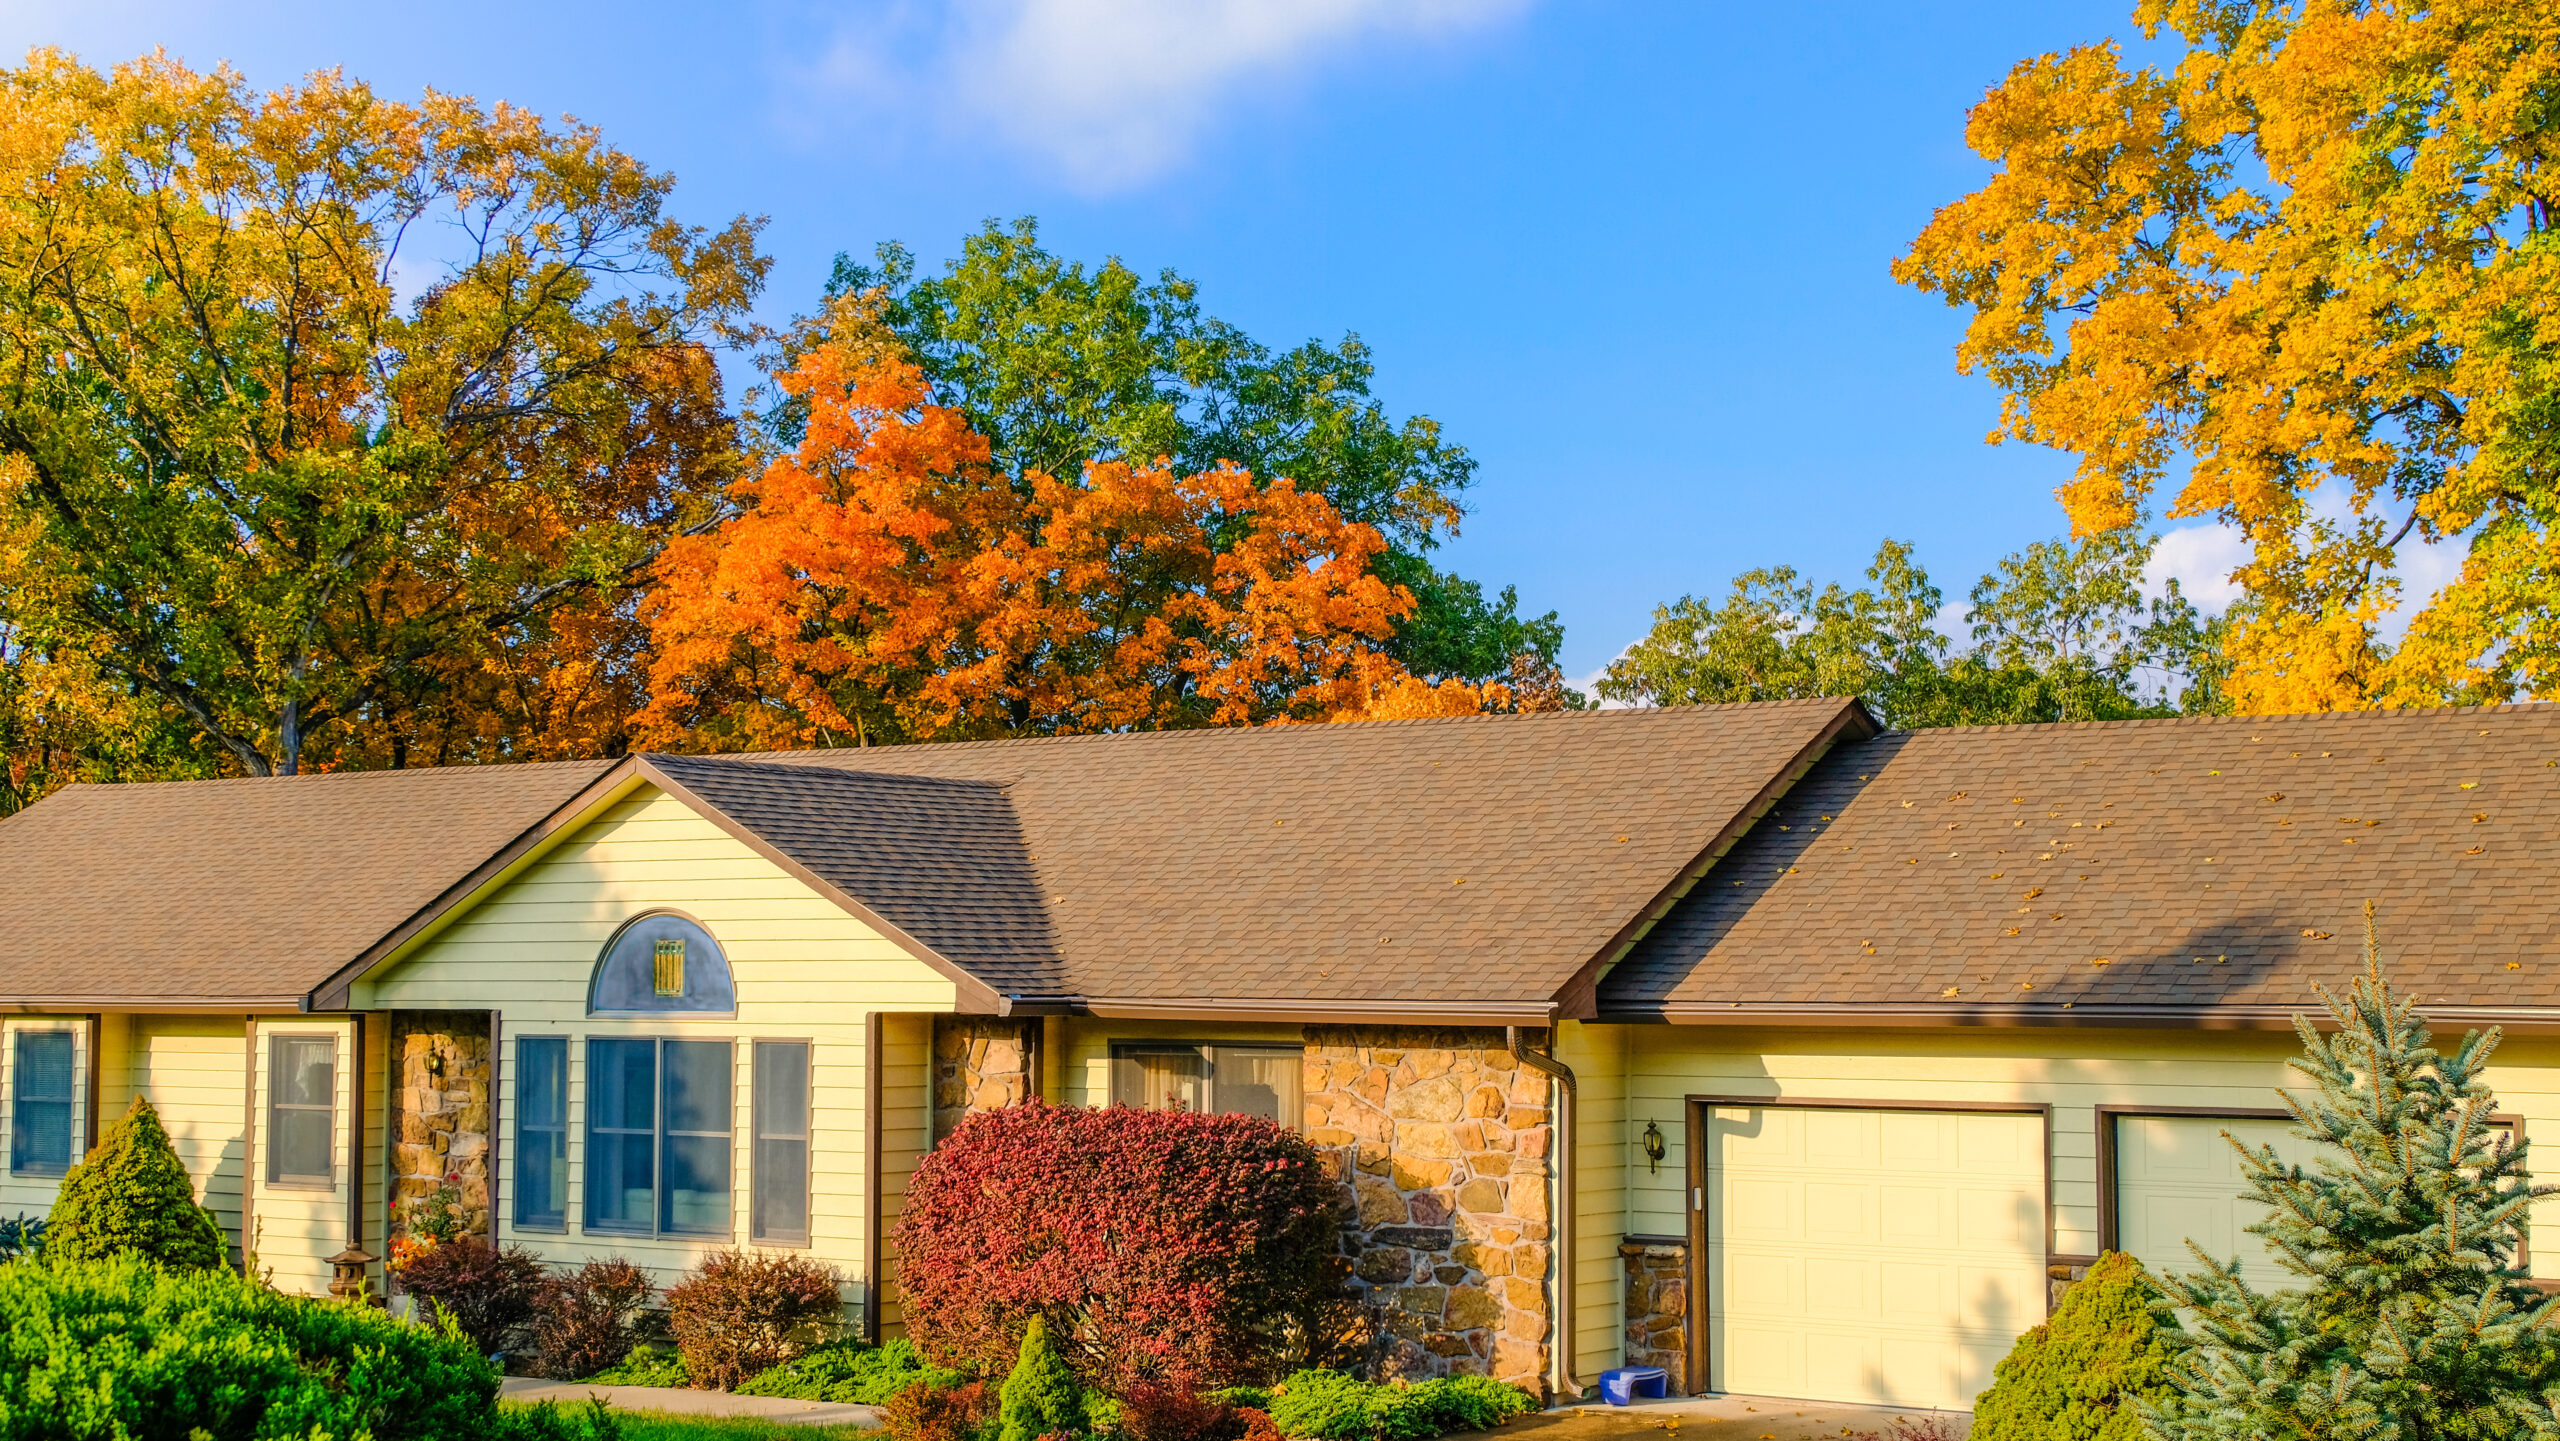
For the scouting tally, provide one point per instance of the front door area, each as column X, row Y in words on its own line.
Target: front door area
column 1867, row 1253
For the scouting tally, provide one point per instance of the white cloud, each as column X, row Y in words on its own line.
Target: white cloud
column 2200, row 558
column 1113, row 93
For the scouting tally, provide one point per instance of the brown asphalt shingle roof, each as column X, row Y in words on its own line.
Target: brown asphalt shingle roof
column 1477, row 861
column 202, row 892
column 2212, row 864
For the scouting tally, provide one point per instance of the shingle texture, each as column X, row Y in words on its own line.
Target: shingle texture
column 1479, row 860
column 210, row 891
column 2187, row 864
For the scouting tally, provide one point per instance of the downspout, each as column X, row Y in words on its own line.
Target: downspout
column 871, row 1200
column 1559, row 1355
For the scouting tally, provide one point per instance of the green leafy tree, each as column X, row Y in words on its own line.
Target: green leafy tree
column 1059, row 366
column 1040, row 1397
column 2411, row 1321
column 2076, row 1377
column 133, row 1194
column 2060, row 633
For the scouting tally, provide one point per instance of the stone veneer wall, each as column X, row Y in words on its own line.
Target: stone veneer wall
column 439, row 1121
column 1658, row 1306
column 980, row 1064
column 1440, row 1139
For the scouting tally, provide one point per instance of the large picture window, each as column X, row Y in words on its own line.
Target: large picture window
column 659, row 1119
column 542, row 1132
column 782, row 1142
column 1237, row 1080
column 41, row 1081
column 302, row 1109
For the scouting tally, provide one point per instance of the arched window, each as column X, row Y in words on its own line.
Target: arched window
column 661, row 962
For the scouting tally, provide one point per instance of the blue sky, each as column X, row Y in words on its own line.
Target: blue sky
column 1632, row 255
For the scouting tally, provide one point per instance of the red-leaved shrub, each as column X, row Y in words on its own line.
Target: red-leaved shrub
column 588, row 1319
column 926, row 1412
column 1162, row 1246
column 488, row 1292
column 740, row 1313
column 1161, row 1413
column 1258, row 1425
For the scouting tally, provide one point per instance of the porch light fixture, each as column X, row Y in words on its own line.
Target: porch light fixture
column 670, row 966
column 1653, row 1145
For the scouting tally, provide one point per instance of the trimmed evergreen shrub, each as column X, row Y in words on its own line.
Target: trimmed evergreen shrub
column 1330, row 1406
column 1160, row 1246
column 851, row 1371
column 741, row 1313
column 2076, row 1377
column 2410, row 1318
column 588, row 1319
column 133, row 1194
column 124, row 1348
column 489, row 1293
column 1040, row 1397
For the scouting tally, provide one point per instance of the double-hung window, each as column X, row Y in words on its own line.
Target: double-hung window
column 659, row 1120
column 542, row 1132
column 1244, row 1080
column 41, row 1081
column 781, row 1143
column 302, row 1110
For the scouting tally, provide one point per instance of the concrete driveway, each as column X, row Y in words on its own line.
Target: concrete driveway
column 1739, row 1418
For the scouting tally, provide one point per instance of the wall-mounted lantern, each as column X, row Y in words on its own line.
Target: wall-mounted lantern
column 1654, row 1146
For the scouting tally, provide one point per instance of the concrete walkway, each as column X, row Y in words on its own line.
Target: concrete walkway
column 683, row 1401
column 1735, row 1418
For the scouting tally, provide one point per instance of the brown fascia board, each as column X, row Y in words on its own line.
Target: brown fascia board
column 1303, row 1011
column 1578, row 998
column 975, row 997
column 2515, row 1021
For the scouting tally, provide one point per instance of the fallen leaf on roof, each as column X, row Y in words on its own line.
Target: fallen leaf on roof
column 2277, row 796
column 2026, row 985
column 1622, row 840
column 2057, row 915
column 2316, row 935
column 1915, row 860
column 2046, row 856
column 2100, row 961
column 1995, row 875
column 1826, row 818
column 1960, row 795
column 2351, row 820
column 2468, row 785
column 2515, row 965
column 1949, row 992
column 2475, row 850
column 2213, row 773
column 2031, row 895
column 2221, row 960
column 1460, row 881
column 2013, row 930
column 1906, row 805
column 2479, row 816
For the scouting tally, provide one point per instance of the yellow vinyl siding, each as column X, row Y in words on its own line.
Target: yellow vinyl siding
column 194, row 1070
column 297, row 1227
column 804, row 970
column 906, row 1133
column 33, row 1194
column 1604, row 1147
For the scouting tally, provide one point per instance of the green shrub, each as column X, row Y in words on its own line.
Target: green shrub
column 645, row 1366
column 1330, row 1406
column 851, row 1371
column 133, row 1194
column 122, row 1348
column 1041, row 1396
column 2074, row 1378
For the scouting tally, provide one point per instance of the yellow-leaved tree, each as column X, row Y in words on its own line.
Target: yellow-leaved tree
column 2314, row 251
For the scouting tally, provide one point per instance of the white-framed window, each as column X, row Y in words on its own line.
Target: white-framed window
column 44, row 1092
column 1240, row 1079
column 302, row 1109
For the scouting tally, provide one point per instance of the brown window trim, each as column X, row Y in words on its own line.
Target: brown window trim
column 1697, row 1107
column 276, row 1180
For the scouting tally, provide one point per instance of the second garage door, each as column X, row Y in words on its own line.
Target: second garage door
column 2177, row 1178
column 1871, row 1255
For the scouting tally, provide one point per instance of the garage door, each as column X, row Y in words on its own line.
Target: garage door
column 2177, row 1178
column 1880, row 1256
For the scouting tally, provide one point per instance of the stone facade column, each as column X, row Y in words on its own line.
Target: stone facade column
column 1658, row 1306
column 980, row 1064
column 439, row 1115
column 1441, row 1141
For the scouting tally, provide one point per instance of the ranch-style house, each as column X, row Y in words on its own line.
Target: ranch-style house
column 1798, row 1057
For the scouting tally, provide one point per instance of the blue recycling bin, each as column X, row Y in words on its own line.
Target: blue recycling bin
column 1634, row 1383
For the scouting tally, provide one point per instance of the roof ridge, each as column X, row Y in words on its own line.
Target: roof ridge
column 2446, row 712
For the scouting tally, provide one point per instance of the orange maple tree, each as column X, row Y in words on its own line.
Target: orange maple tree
column 883, row 582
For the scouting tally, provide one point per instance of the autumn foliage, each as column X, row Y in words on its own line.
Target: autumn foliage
column 882, row 581
column 2314, row 256
column 1160, row 1246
